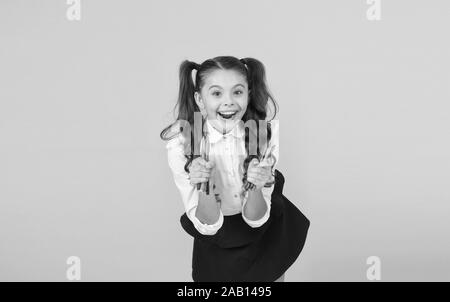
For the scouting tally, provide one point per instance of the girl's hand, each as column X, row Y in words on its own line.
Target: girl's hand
column 258, row 174
column 200, row 171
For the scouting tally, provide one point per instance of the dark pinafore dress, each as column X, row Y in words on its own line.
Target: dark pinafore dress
column 238, row 252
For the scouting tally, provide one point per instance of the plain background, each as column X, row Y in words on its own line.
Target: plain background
column 364, row 132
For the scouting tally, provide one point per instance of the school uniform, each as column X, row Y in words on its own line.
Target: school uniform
column 236, row 248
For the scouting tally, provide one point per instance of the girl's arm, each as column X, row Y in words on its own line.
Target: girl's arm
column 257, row 204
column 201, row 211
column 256, row 207
column 208, row 209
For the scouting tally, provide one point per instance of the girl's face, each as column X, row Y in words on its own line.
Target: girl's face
column 223, row 98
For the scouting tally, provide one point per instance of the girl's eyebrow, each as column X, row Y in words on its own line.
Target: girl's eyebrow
column 218, row 86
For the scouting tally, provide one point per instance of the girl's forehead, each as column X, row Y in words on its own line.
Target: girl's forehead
column 224, row 78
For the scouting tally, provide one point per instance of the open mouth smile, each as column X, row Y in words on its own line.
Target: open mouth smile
column 227, row 114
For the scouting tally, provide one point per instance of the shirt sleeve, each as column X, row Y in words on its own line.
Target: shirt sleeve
column 189, row 194
column 266, row 191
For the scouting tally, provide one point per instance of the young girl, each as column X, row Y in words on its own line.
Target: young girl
column 222, row 151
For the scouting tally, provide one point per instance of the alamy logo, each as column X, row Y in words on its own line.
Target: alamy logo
column 374, row 270
column 74, row 10
column 374, row 11
column 74, row 270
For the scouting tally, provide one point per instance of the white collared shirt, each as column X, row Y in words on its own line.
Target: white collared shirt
column 228, row 154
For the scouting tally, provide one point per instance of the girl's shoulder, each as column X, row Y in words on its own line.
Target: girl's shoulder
column 274, row 125
column 275, row 131
column 176, row 138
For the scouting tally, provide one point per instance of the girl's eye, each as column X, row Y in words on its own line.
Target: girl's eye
column 238, row 92
column 216, row 93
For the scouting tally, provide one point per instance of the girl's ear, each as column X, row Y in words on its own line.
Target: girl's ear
column 199, row 102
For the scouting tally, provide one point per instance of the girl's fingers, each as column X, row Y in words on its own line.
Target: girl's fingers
column 251, row 177
column 199, row 161
column 254, row 162
column 201, row 170
column 258, row 174
column 268, row 162
column 258, row 179
column 197, row 180
column 199, row 174
column 260, row 169
column 264, row 174
column 264, row 170
column 209, row 165
column 253, row 180
column 203, row 163
column 194, row 165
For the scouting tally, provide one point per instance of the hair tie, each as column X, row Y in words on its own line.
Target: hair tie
column 195, row 66
column 244, row 61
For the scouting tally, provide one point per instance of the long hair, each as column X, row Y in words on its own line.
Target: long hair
column 258, row 104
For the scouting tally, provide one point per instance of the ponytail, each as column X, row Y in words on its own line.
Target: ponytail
column 186, row 101
column 188, row 111
column 259, row 96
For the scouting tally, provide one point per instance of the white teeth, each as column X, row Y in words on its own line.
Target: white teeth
column 227, row 114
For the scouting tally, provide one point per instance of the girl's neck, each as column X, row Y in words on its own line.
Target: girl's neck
column 221, row 131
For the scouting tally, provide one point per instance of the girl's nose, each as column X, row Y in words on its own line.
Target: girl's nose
column 229, row 104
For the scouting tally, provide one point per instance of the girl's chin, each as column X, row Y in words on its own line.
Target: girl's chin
column 226, row 124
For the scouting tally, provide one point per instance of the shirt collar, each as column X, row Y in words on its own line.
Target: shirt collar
column 215, row 136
